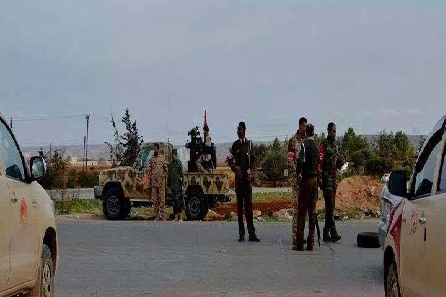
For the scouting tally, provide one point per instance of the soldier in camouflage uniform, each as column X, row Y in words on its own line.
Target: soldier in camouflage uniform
column 329, row 162
column 158, row 169
column 175, row 183
column 295, row 146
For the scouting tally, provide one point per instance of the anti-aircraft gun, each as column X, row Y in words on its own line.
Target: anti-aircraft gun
column 199, row 148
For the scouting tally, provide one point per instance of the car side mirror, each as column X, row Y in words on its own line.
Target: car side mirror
column 38, row 168
column 397, row 184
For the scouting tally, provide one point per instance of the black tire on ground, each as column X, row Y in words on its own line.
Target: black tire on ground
column 368, row 240
column 113, row 204
column 392, row 285
column 196, row 206
column 45, row 279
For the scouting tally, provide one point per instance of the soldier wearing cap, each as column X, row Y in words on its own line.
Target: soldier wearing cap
column 175, row 183
column 241, row 161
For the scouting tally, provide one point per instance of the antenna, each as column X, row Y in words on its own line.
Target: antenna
column 167, row 100
column 167, row 105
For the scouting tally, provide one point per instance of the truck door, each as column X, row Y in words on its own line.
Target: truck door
column 413, row 272
column 436, row 228
column 5, row 229
column 23, row 216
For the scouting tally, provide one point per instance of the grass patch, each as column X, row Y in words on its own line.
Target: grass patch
column 267, row 197
column 73, row 206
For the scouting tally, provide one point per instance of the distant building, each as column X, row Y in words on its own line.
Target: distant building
column 73, row 160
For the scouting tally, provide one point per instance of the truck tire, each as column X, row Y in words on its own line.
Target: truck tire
column 368, row 240
column 113, row 204
column 392, row 285
column 196, row 206
column 45, row 277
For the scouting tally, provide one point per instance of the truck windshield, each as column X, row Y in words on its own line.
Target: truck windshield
column 146, row 155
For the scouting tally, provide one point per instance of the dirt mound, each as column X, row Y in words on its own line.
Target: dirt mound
column 357, row 194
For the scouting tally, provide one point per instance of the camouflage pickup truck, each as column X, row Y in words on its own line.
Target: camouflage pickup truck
column 122, row 187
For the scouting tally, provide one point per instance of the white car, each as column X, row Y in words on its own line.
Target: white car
column 414, row 248
column 28, row 234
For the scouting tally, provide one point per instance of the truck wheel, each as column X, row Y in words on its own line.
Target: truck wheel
column 113, row 204
column 392, row 285
column 368, row 240
column 196, row 206
column 45, row 278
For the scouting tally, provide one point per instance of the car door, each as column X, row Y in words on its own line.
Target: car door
column 436, row 232
column 23, row 245
column 5, row 229
column 413, row 272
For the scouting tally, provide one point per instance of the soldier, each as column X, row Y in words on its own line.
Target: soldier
column 175, row 183
column 329, row 162
column 241, row 161
column 157, row 182
column 295, row 146
column 308, row 192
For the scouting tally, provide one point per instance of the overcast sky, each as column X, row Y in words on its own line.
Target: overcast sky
column 372, row 65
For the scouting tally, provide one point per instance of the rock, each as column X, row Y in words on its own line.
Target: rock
column 260, row 219
column 285, row 214
column 257, row 213
column 212, row 216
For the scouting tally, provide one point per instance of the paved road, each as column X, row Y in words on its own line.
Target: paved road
column 89, row 193
column 146, row 258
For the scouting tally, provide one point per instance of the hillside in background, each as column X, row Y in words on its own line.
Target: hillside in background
column 100, row 151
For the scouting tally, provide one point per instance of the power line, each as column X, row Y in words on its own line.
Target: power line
column 38, row 119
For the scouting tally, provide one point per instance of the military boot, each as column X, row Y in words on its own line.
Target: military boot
column 310, row 245
column 326, row 237
column 299, row 247
column 334, row 235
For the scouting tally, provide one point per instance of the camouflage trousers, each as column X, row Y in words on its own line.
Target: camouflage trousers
column 295, row 226
column 159, row 201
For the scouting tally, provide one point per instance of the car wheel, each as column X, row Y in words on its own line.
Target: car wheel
column 45, row 278
column 392, row 285
column 196, row 207
column 368, row 240
column 113, row 206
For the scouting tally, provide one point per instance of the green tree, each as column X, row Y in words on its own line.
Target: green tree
column 126, row 147
column 260, row 152
column 276, row 161
column 57, row 165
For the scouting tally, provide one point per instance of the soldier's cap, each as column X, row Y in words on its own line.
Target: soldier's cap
column 175, row 151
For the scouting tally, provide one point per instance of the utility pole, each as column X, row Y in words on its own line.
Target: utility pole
column 87, row 117
column 83, row 161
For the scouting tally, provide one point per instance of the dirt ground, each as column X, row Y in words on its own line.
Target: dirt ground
column 355, row 195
